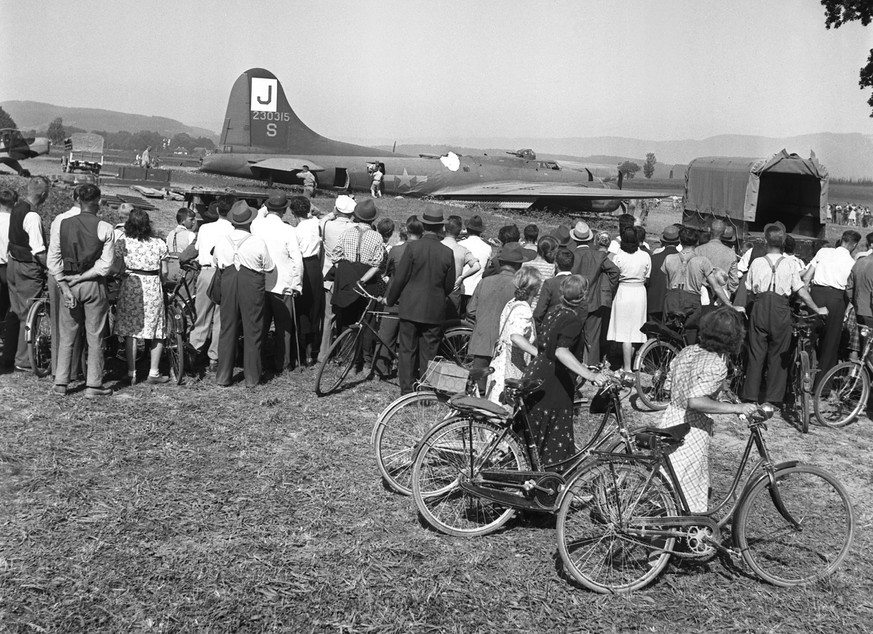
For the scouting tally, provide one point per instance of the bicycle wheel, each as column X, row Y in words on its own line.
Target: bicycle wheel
column 39, row 337
column 397, row 432
column 787, row 555
column 454, row 345
column 841, row 395
column 456, row 451
column 798, row 385
column 590, row 427
column 174, row 344
column 339, row 360
column 597, row 545
column 652, row 367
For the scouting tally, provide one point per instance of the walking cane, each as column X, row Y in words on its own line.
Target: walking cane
column 296, row 332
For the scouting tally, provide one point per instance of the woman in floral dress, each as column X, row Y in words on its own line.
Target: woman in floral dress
column 558, row 350
column 516, row 320
column 141, row 301
column 696, row 376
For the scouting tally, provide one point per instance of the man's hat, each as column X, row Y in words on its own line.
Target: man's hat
column 475, row 225
column 241, row 214
column 433, row 215
column 277, row 202
column 210, row 213
column 774, row 225
column 670, row 235
column 345, row 205
column 511, row 253
column 581, row 232
column 730, row 235
column 366, row 211
column 562, row 235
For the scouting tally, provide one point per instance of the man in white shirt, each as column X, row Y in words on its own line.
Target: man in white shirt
column 244, row 261
column 479, row 248
column 25, row 269
column 8, row 198
column 828, row 274
column 283, row 282
column 466, row 263
column 208, row 324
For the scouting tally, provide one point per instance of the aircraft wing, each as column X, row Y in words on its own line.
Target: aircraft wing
column 520, row 189
column 284, row 164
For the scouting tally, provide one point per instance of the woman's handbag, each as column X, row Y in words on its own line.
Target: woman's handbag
column 213, row 291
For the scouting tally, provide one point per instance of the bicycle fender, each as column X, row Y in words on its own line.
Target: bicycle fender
column 752, row 482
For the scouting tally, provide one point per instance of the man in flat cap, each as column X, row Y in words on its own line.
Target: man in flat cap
column 424, row 280
column 244, row 261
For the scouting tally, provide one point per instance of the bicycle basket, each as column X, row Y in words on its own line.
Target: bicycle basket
column 446, row 376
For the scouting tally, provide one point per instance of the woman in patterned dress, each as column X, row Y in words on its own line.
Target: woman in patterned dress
column 558, row 350
column 141, row 301
column 516, row 321
column 696, row 376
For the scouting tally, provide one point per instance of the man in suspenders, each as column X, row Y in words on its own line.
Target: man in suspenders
column 771, row 281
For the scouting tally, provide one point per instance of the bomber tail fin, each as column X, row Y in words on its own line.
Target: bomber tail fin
column 259, row 118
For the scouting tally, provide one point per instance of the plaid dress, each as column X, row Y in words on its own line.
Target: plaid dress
column 694, row 372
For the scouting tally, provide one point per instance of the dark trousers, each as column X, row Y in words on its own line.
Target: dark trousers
column 769, row 344
column 4, row 292
column 388, row 329
column 242, row 308
column 418, row 344
column 828, row 336
column 278, row 310
column 25, row 281
column 480, row 362
column 593, row 327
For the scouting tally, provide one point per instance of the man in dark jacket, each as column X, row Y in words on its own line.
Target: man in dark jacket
column 592, row 264
column 424, row 280
column 658, row 279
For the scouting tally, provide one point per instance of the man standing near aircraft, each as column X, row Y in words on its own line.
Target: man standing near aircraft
column 308, row 179
column 376, row 185
column 424, row 279
column 25, row 269
column 208, row 324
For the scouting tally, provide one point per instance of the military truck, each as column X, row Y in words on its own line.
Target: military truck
column 749, row 193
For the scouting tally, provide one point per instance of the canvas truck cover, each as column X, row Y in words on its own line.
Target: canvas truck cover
column 84, row 142
column 783, row 187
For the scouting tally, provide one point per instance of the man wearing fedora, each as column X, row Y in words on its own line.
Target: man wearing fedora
column 657, row 287
column 359, row 254
column 721, row 256
column 482, row 250
column 593, row 265
column 207, row 326
column 424, row 280
column 488, row 302
column 244, row 261
column 284, row 281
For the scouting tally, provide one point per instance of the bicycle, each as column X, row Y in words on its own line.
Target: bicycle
column 652, row 361
column 347, row 348
column 843, row 391
column 620, row 519
column 473, row 470
column 405, row 420
column 180, row 316
column 802, row 368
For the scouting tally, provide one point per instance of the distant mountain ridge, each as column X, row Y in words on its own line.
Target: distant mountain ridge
column 844, row 155
column 37, row 115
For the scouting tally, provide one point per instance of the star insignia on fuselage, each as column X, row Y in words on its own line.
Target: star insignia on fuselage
column 407, row 180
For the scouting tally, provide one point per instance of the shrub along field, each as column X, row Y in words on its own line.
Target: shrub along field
column 197, row 508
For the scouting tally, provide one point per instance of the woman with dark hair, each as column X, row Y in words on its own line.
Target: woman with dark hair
column 516, row 323
column 547, row 247
column 141, row 301
column 558, row 349
column 696, row 376
column 310, row 303
column 629, row 304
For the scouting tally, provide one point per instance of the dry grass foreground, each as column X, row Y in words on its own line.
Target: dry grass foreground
column 206, row 509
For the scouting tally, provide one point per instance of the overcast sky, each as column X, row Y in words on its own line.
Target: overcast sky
column 436, row 70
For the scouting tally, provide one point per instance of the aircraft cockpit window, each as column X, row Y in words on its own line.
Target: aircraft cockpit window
column 549, row 165
column 452, row 161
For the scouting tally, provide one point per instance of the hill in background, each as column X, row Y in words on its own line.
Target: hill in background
column 37, row 116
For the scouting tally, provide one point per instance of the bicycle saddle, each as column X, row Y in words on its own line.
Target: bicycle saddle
column 523, row 387
column 464, row 403
column 652, row 437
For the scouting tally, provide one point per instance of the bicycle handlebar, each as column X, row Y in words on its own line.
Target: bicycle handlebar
column 360, row 290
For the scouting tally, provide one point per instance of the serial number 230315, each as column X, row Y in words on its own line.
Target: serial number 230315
column 270, row 116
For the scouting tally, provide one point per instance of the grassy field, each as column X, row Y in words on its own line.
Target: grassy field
column 197, row 508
